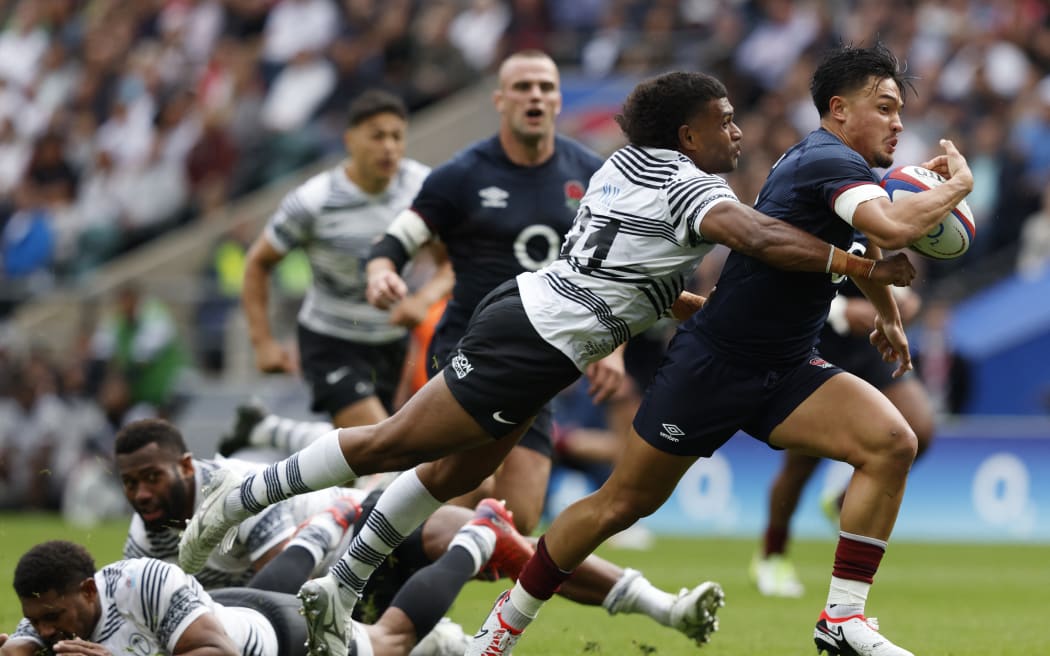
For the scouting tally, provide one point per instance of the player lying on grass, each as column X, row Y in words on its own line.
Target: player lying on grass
column 161, row 483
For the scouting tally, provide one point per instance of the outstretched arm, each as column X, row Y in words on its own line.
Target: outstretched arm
column 786, row 247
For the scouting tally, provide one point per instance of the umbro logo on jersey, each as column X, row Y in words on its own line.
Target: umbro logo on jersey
column 493, row 197
column 671, row 432
column 461, row 365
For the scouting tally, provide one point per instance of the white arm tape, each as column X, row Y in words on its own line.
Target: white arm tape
column 848, row 201
column 410, row 229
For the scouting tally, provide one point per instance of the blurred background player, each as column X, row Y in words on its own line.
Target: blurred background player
column 499, row 207
column 844, row 343
column 350, row 353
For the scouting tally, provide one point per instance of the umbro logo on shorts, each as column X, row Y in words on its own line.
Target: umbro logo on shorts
column 671, row 432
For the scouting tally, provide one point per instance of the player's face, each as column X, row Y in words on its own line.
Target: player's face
column 376, row 146
column 158, row 484
column 872, row 121
column 529, row 97
column 712, row 139
column 56, row 616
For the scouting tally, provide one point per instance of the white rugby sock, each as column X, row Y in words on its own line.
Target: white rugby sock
column 320, row 465
column 287, row 435
column 633, row 593
column 401, row 509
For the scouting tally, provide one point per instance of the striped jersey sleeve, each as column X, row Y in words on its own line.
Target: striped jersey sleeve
column 689, row 199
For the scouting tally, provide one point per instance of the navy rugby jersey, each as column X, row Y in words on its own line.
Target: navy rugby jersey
column 762, row 314
column 498, row 219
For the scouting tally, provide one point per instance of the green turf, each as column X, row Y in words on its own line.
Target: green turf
column 937, row 600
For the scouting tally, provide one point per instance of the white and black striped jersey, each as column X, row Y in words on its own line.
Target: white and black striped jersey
column 335, row 223
column 634, row 242
column 255, row 536
column 147, row 604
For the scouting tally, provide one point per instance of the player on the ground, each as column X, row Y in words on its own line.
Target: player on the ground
column 147, row 606
column 651, row 212
column 350, row 353
column 163, row 483
column 747, row 360
column 159, row 478
column 843, row 342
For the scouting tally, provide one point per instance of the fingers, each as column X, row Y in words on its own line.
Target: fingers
column 385, row 290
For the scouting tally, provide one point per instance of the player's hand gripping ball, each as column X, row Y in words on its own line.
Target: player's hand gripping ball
column 952, row 236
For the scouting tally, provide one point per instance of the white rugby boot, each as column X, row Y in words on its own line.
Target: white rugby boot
column 855, row 635
column 211, row 524
column 694, row 611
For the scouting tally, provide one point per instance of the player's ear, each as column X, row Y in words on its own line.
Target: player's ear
column 686, row 139
column 186, row 464
column 88, row 588
column 837, row 108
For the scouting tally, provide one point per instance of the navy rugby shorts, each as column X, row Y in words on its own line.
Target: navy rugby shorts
column 699, row 398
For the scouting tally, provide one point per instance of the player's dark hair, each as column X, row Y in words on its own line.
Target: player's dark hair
column 848, row 68
column 56, row 566
column 657, row 107
column 138, row 434
column 372, row 102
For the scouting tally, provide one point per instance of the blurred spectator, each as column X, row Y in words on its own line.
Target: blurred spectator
column 32, row 431
column 1034, row 256
column 27, row 243
column 295, row 27
column 477, row 31
column 137, row 341
column 436, row 67
column 23, row 42
column 15, row 153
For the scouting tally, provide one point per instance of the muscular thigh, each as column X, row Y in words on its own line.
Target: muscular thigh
column 841, row 416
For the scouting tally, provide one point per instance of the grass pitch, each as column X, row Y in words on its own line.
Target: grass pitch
column 934, row 599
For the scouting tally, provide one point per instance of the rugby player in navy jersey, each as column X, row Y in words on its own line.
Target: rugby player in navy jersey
column 747, row 361
column 844, row 342
column 499, row 207
column 649, row 214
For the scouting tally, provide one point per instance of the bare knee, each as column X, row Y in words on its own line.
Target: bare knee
column 891, row 449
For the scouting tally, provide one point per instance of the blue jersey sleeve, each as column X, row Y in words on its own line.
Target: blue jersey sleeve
column 439, row 199
column 830, row 177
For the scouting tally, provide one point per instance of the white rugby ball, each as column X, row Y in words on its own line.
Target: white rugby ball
column 953, row 235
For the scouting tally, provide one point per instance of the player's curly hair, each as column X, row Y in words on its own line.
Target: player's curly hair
column 56, row 566
column 372, row 102
column 848, row 68
column 138, row 434
column 657, row 107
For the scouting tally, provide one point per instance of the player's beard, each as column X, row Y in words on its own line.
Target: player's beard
column 176, row 509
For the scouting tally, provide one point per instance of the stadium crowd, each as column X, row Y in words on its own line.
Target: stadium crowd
column 120, row 119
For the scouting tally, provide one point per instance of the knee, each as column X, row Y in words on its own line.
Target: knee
column 894, row 448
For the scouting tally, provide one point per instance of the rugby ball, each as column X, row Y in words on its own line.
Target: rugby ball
column 952, row 237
